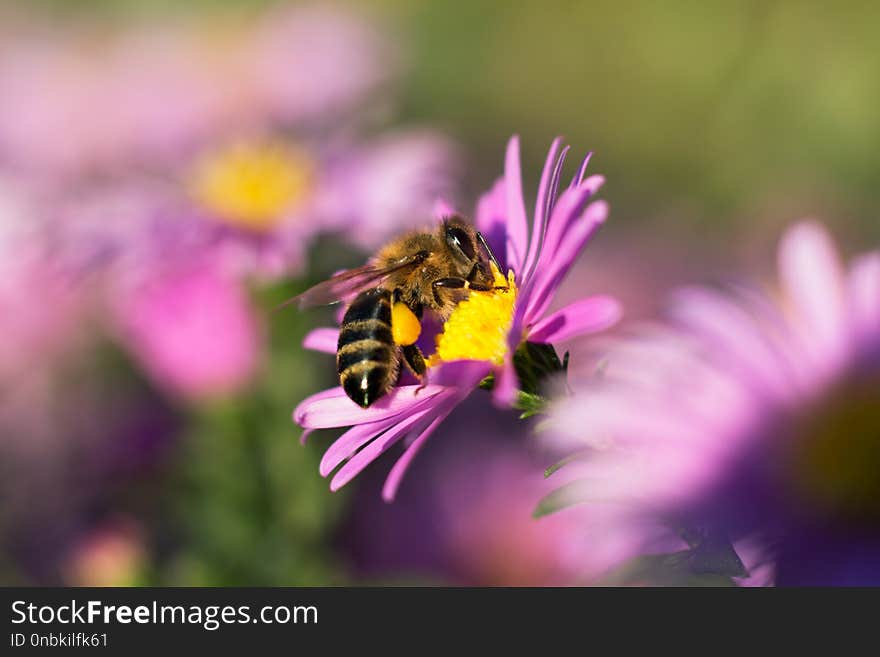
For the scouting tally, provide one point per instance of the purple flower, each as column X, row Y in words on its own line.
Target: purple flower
column 288, row 68
column 562, row 225
column 750, row 417
column 466, row 515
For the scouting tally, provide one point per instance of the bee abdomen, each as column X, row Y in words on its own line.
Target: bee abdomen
column 366, row 357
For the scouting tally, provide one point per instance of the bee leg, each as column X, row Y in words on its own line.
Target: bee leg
column 414, row 360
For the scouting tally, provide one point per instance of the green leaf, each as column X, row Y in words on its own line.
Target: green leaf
column 672, row 569
column 530, row 404
column 561, row 498
column 534, row 363
column 561, row 464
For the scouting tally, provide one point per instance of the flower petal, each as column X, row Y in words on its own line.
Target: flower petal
column 542, row 204
column 491, row 222
column 864, row 296
column 442, row 209
column 324, row 340
column 348, row 443
column 741, row 334
column 332, row 408
column 392, row 483
column 461, row 374
column 517, row 222
column 547, row 278
column 588, row 315
column 582, row 170
column 812, row 277
column 506, row 384
column 369, row 453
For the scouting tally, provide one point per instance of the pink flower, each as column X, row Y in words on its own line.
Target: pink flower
column 561, row 227
column 289, row 67
column 192, row 330
column 753, row 418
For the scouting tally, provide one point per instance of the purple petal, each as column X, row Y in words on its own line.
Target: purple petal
column 442, row 209
column 568, row 212
column 548, row 278
column 541, row 204
column 863, row 289
column 348, row 443
column 579, row 174
column 332, row 408
column 812, row 277
column 506, row 384
column 369, row 453
column 588, row 315
column 747, row 345
column 517, row 222
column 554, row 182
column 461, row 374
column 324, row 340
column 392, row 483
column 491, row 222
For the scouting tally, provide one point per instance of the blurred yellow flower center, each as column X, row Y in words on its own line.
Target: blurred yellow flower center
column 477, row 328
column 253, row 185
column 838, row 460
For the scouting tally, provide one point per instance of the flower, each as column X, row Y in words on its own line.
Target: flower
column 169, row 88
column 745, row 419
column 469, row 520
column 192, row 329
column 518, row 314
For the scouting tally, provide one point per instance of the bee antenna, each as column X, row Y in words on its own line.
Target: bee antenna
column 488, row 250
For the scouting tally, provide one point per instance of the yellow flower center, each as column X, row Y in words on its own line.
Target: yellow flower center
column 252, row 185
column 477, row 328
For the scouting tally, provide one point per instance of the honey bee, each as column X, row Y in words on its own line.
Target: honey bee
column 420, row 271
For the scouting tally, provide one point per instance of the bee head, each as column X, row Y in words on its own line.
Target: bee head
column 461, row 239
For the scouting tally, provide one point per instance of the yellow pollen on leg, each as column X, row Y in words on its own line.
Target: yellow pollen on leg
column 405, row 326
column 477, row 328
column 252, row 185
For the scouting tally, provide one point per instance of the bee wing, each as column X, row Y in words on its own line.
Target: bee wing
column 350, row 282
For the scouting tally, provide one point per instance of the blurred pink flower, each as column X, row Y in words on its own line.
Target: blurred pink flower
column 192, row 329
column 754, row 418
column 314, row 62
column 112, row 554
column 292, row 66
column 386, row 185
column 35, row 327
column 560, row 230
column 491, row 537
column 466, row 517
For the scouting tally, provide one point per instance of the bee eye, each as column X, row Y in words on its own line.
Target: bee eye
column 460, row 240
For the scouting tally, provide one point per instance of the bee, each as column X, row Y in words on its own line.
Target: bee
column 422, row 271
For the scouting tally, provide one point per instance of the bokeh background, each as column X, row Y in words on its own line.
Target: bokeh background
column 170, row 172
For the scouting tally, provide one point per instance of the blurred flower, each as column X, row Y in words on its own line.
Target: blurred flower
column 374, row 190
column 745, row 419
column 514, row 311
column 465, row 520
column 109, row 555
column 41, row 313
column 252, row 186
column 268, row 200
column 171, row 87
column 315, row 62
column 193, row 330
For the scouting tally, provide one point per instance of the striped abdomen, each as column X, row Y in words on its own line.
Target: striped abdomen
column 366, row 356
